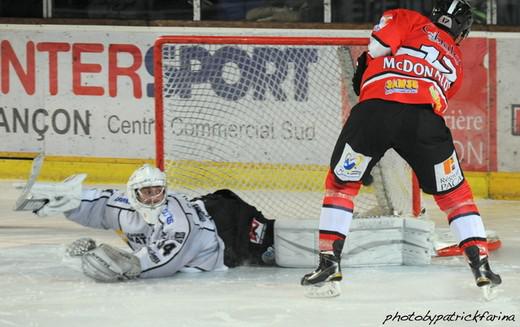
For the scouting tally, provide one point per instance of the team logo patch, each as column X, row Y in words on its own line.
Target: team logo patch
column 448, row 173
column 352, row 165
column 382, row 22
column 257, row 232
column 401, row 85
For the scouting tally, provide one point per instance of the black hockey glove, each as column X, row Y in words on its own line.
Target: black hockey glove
column 358, row 74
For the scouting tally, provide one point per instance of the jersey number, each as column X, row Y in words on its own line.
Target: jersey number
column 431, row 54
column 166, row 247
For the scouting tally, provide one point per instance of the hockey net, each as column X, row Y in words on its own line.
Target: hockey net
column 260, row 116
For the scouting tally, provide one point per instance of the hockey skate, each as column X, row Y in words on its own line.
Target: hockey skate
column 324, row 281
column 484, row 277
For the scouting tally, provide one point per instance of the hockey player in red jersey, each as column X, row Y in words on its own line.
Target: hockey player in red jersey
column 413, row 66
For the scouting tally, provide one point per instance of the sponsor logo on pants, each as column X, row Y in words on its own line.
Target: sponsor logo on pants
column 448, row 173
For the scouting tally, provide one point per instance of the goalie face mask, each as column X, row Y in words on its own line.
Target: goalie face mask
column 453, row 16
column 150, row 195
column 146, row 191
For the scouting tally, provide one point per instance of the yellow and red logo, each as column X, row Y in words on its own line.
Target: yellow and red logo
column 437, row 104
column 401, row 85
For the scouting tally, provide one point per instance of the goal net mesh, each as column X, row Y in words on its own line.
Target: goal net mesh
column 261, row 116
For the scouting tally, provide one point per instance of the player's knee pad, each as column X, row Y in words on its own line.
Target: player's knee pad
column 458, row 201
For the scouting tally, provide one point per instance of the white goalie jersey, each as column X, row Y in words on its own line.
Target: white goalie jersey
column 185, row 238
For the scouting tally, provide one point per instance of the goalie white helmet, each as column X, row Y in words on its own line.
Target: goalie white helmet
column 146, row 190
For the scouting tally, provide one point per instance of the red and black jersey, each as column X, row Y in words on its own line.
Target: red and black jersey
column 413, row 61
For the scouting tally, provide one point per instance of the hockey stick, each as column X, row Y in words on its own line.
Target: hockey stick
column 24, row 201
column 455, row 250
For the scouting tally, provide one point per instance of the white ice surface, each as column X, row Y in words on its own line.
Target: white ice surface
column 41, row 286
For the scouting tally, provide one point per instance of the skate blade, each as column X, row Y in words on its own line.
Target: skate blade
column 323, row 290
column 489, row 292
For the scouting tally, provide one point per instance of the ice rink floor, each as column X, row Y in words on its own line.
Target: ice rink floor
column 41, row 286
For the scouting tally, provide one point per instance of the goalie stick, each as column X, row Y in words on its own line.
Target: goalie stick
column 25, row 201
column 455, row 250
column 445, row 246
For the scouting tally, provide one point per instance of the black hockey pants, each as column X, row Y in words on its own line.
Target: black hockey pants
column 245, row 231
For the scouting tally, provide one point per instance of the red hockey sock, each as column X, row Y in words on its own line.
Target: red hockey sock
column 336, row 211
column 481, row 244
column 458, row 201
column 463, row 217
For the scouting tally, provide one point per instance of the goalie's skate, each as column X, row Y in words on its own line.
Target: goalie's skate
column 485, row 278
column 324, row 281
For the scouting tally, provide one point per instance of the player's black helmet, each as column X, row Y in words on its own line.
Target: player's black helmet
column 453, row 16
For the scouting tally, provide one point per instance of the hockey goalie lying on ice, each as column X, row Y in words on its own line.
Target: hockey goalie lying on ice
column 165, row 231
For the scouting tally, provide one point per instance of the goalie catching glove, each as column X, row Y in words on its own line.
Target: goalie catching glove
column 109, row 264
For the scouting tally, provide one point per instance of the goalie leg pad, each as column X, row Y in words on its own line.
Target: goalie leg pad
column 371, row 242
column 109, row 264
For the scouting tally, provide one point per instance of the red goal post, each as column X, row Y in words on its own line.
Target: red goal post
column 219, row 90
